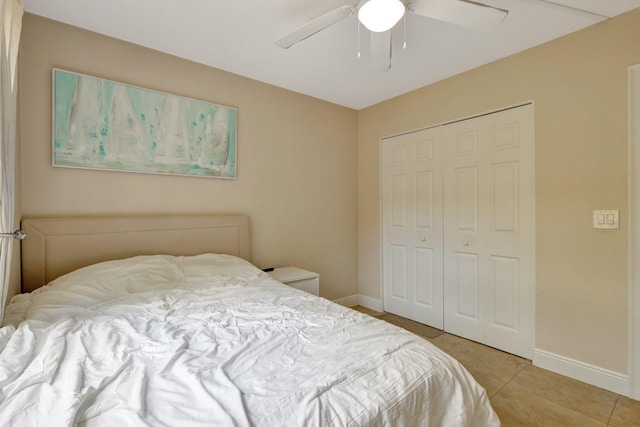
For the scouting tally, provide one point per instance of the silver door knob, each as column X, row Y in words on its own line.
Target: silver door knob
column 423, row 239
column 466, row 243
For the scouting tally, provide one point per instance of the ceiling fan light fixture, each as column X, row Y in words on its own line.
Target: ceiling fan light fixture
column 380, row 15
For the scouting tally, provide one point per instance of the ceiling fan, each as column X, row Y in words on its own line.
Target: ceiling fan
column 380, row 16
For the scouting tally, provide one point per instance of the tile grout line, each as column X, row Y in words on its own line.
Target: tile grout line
column 613, row 410
column 505, row 384
column 538, row 395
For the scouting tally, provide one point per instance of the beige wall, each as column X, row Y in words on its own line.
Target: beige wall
column 579, row 86
column 296, row 155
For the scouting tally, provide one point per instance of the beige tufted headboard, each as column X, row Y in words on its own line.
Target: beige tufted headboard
column 56, row 246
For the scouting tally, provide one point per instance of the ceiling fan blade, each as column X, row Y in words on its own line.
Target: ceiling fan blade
column 381, row 50
column 465, row 13
column 315, row 26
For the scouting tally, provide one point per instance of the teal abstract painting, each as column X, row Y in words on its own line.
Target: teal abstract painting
column 101, row 124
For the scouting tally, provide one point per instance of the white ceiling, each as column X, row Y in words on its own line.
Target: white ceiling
column 238, row 36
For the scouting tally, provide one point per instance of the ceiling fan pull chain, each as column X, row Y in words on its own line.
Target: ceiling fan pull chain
column 358, row 24
column 404, row 31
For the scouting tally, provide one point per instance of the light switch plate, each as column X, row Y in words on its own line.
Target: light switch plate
column 609, row 219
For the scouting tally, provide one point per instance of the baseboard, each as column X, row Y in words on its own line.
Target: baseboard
column 363, row 300
column 370, row 303
column 350, row 301
column 581, row 371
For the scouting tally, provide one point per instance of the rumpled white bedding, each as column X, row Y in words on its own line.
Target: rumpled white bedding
column 211, row 340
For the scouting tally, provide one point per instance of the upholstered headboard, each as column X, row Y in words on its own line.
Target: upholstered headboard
column 56, row 246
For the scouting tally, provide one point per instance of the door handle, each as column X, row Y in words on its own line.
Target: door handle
column 423, row 239
column 466, row 243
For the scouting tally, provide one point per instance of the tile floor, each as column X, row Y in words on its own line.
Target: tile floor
column 522, row 394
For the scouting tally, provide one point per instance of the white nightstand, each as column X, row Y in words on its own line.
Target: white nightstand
column 298, row 278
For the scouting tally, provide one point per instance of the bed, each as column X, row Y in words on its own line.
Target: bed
column 164, row 321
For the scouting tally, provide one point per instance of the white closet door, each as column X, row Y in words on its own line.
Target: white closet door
column 458, row 220
column 412, row 226
column 489, row 218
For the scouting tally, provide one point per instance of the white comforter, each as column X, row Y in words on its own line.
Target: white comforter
column 213, row 341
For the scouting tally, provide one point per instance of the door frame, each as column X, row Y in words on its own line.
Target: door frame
column 634, row 232
column 380, row 207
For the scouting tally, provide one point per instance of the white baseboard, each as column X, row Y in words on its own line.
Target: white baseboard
column 581, row 371
column 370, row 303
column 350, row 301
column 363, row 300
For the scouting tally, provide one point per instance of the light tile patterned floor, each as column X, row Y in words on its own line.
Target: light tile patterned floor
column 522, row 394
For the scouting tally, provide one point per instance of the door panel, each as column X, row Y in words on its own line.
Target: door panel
column 465, row 143
column 424, row 200
column 399, row 272
column 412, row 218
column 504, row 288
column 505, row 197
column 504, row 136
column 425, row 277
column 466, row 282
column 399, row 200
column 398, row 155
column 511, row 236
column 489, row 214
column 466, row 199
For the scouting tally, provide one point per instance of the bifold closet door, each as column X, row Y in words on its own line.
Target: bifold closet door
column 412, row 208
column 458, row 220
column 489, row 218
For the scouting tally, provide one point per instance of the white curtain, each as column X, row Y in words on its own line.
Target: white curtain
column 10, row 24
